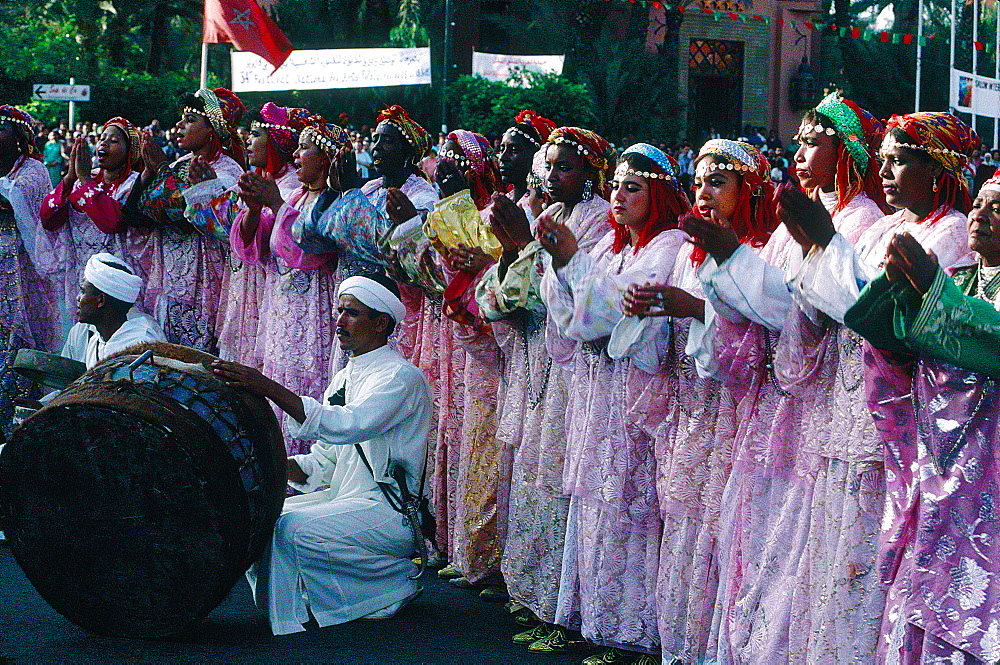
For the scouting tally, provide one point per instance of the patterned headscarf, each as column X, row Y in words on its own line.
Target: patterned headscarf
column 667, row 201
column 593, row 149
column 941, row 135
column 414, row 134
column 948, row 141
column 479, row 164
column 860, row 135
column 533, row 127
column 26, row 124
column 755, row 217
column 131, row 132
column 328, row 137
column 224, row 111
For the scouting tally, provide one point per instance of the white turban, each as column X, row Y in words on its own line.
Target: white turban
column 373, row 295
column 115, row 282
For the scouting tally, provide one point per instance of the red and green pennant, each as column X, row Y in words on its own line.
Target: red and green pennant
column 882, row 36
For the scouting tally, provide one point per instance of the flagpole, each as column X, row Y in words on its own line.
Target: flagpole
column 203, row 77
column 920, row 53
column 996, row 58
column 975, row 53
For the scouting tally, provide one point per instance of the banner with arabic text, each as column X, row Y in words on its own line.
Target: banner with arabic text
column 333, row 68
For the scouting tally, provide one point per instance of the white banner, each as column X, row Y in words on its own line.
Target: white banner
column 333, row 68
column 975, row 94
column 498, row 67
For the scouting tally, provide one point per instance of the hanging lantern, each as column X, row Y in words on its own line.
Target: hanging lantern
column 802, row 88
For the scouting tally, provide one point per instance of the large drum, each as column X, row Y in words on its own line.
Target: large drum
column 137, row 497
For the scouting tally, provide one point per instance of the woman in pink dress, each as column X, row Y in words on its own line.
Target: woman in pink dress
column 83, row 215
column 182, row 264
column 274, row 132
column 298, row 300
column 613, row 532
column 577, row 167
column 29, row 318
column 469, row 472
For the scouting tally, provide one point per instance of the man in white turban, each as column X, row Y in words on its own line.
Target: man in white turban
column 108, row 321
column 341, row 553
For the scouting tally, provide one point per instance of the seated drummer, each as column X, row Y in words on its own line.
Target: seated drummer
column 340, row 554
column 108, row 321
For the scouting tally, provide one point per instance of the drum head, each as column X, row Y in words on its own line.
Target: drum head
column 123, row 526
column 48, row 369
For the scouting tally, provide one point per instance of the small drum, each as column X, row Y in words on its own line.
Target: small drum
column 48, row 369
column 137, row 497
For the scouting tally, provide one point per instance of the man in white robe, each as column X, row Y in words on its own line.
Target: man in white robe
column 108, row 321
column 340, row 554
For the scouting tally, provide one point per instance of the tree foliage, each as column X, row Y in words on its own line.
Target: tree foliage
column 489, row 107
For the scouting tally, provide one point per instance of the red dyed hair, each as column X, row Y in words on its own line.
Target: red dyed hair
column 667, row 203
column 756, row 216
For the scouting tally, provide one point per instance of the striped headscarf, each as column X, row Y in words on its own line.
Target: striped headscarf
column 592, row 148
column 949, row 142
column 482, row 170
column 415, row 135
column 131, row 133
column 224, row 111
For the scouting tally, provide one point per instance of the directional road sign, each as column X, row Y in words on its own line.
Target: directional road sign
column 60, row 92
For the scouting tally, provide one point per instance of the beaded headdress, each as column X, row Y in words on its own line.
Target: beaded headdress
column 736, row 156
column 283, row 124
column 25, row 123
column 131, row 133
column 592, row 148
column 667, row 201
column 414, row 134
column 532, row 122
column 479, row 161
column 224, row 111
column 858, row 129
column 755, row 217
column 328, row 137
column 670, row 169
column 948, row 140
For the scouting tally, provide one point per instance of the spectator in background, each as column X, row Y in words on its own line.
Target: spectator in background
column 684, row 159
column 363, row 157
column 52, row 156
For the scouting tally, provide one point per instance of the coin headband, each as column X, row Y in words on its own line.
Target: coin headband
column 890, row 142
column 628, row 170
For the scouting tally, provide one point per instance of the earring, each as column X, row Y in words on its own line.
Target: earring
column 588, row 190
column 935, row 186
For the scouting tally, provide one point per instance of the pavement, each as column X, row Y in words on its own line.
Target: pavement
column 444, row 625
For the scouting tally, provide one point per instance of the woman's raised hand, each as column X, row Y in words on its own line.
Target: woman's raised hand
column 715, row 235
column 468, row 259
column 807, row 221
column 557, row 239
column 79, row 159
column 450, row 178
column 508, row 215
column 399, row 206
column 199, row 170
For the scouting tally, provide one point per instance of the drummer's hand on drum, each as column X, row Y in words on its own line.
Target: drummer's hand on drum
column 235, row 375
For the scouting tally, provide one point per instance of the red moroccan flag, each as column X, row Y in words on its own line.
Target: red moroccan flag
column 245, row 25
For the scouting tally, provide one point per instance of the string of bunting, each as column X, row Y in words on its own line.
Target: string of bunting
column 868, row 35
